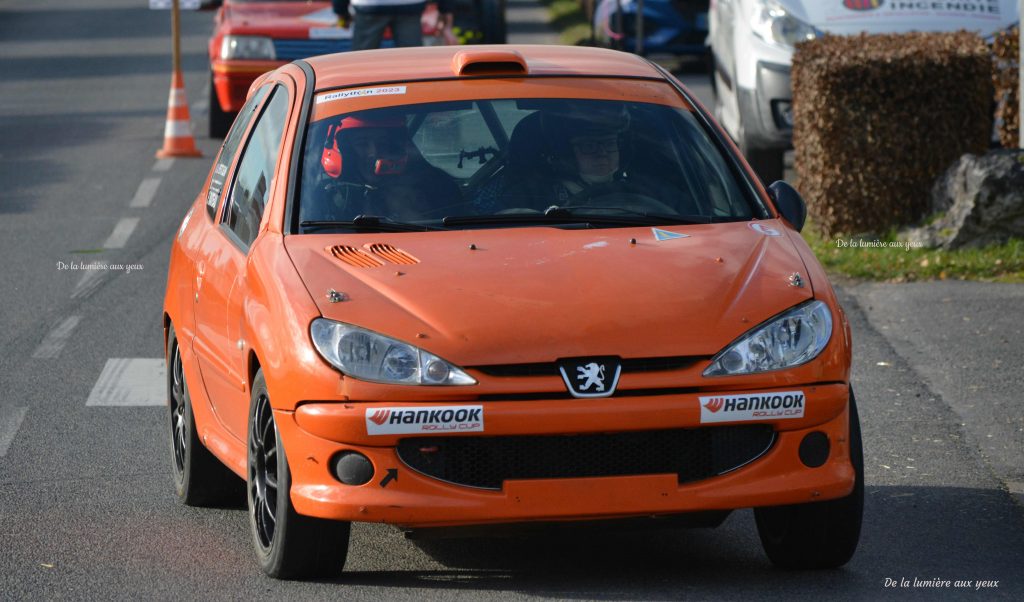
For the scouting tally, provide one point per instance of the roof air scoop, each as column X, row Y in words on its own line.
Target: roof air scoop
column 473, row 61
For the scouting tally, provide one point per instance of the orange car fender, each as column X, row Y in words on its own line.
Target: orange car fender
column 277, row 313
column 840, row 349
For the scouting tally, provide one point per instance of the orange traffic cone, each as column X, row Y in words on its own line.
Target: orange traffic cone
column 178, row 140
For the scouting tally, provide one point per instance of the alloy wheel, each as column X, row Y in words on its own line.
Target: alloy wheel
column 263, row 472
column 178, row 418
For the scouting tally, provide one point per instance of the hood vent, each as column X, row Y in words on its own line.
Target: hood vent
column 355, row 257
column 379, row 254
column 392, row 254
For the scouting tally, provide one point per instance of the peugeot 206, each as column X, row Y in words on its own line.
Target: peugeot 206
column 468, row 287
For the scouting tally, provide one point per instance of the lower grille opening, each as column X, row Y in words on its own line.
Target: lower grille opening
column 486, row 462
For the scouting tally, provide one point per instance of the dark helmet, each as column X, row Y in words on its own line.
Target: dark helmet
column 582, row 119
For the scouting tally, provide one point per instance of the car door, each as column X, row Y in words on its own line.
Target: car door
column 221, row 262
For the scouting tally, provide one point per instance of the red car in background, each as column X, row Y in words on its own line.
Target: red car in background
column 252, row 37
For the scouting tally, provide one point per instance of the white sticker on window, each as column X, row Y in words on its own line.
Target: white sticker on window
column 330, row 33
column 385, row 91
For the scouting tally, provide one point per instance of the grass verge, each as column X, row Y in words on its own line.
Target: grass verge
column 889, row 260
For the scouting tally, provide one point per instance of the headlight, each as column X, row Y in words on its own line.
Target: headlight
column 366, row 355
column 774, row 25
column 247, row 47
column 793, row 338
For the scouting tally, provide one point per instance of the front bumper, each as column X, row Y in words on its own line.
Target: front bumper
column 315, row 432
column 762, row 108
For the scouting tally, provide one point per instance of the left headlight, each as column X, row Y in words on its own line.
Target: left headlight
column 247, row 47
column 367, row 355
column 790, row 339
column 775, row 25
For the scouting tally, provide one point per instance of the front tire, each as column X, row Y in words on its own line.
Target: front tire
column 199, row 478
column 288, row 545
column 817, row 535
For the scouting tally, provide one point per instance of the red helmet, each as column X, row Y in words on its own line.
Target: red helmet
column 331, row 157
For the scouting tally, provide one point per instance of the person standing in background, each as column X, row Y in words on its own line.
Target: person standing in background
column 372, row 17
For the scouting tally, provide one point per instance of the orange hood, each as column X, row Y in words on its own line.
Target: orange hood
column 538, row 294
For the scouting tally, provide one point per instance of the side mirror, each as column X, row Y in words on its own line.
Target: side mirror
column 790, row 204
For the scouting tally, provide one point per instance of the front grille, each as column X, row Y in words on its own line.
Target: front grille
column 486, row 462
column 629, row 365
column 290, row 50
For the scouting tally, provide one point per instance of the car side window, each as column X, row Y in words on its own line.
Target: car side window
column 254, row 176
column 229, row 149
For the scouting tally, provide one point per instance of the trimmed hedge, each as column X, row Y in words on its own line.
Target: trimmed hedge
column 879, row 117
column 1006, row 78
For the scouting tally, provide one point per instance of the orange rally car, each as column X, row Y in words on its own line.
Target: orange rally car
column 464, row 286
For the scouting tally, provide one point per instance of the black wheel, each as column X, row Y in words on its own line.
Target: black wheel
column 219, row 120
column 818, row 535
column 492, row 21
column 288, row 545
column 199, row 478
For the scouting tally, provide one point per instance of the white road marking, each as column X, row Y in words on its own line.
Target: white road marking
column 144, row 195
column 119, row 237
column 55, row 341
column 163, row 164
column 130, row 382
column 90, row 281
column 10, row 422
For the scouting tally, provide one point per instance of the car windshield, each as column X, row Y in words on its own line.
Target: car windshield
column 509, row 162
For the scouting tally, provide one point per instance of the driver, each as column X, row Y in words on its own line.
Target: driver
column 373, row 168
column 584, row 151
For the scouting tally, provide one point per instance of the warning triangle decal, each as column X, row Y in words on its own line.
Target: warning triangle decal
column 666, row 235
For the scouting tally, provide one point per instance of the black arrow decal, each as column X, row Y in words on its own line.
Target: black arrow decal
column 391, row 476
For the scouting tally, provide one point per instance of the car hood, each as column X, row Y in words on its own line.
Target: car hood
column 520, row 295
column 894, row 16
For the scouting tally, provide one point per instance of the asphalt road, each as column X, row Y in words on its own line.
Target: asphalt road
column 87, row 509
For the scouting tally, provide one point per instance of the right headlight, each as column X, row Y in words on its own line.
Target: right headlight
column 773, row 24
column 247, row 47
column 790, row 339
column 371, row 356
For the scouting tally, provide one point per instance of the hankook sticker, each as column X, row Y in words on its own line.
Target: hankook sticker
column 385, row 91
column 435, row 419
column 752, row 407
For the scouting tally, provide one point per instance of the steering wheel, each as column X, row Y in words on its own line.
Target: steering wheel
column 620, row 194
column 341, row 196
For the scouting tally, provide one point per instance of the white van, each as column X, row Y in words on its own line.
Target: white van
column 752, row 46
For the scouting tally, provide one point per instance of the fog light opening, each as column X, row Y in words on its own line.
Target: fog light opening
column 353, row 468
column 814, row 449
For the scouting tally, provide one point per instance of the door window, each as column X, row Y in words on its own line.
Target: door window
column 229, row 149
column 254, row 176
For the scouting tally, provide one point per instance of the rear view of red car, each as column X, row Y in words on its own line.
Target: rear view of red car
column 252, row 37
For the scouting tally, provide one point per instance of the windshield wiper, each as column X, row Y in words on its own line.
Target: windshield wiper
column 573, row 215
column 369, row 223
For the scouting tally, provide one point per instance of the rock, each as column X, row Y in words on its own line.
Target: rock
column 979, row 201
